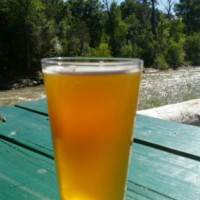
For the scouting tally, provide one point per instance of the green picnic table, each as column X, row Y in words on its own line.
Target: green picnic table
column 164, row 165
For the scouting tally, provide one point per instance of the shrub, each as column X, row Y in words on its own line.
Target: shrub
column 175, row 55
column 127, row 50
column 160, row 62
column 192, row 49
column 102, row 51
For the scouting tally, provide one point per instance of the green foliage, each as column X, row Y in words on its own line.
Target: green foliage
column 163, row 37
column 176, row 28
column 137, row 16
column 189, row 11
column 32, row 29
column 89, row 11
column 21, row 35
column 127, row 50
column 77, row 37
column 101, row 51
column 116, row 29
column 192, row 49
column 170, row 43
column 175, row 55
column 160, row 62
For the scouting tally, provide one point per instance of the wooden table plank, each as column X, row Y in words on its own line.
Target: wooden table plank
column 160, row 175
column 28, row 175
column 27, row 129
column 38, row 106
column 25, row 174
column 177, row 137
column 158, row 170
column 153, row 175
column 171, row 135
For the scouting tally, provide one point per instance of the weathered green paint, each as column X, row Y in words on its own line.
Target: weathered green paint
column 172, row 135
column 159, row 175
column 39, row 106
column 27, row 128
column 164, row 165
column 26, row 175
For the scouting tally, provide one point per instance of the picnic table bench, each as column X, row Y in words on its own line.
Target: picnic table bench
column 164, row 165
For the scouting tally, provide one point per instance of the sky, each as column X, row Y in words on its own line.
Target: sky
column 160, row 6
column 163, row 3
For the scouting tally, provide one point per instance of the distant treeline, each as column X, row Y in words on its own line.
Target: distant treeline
column 32, row 29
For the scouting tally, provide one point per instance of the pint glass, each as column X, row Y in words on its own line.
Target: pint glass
column 92, row 105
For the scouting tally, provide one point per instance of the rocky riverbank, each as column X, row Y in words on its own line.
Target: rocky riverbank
column 14, row 96
column 18, row 83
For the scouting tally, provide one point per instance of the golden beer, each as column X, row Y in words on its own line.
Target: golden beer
column 91, row 116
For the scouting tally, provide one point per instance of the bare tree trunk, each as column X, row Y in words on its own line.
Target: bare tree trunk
column 153, row 27
column 28, row 51
column 106, row 2
column 153, row 19
column 169, row 6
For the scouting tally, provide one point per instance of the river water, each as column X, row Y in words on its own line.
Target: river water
column 157, row 88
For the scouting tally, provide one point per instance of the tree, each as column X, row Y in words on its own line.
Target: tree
column 189, row 12
column 27, row 35
column 21, row 33
column 116, row 29
column 192, row 48
column 153, row 18
column 106, row 2
column 176, row 27
column 77, row 38
column 94, row 20
column 140, row 10
column 90, row 12
column 169, row 5
column 175, row 55
column 170, row 43
column 32, row 29
column 101, row 51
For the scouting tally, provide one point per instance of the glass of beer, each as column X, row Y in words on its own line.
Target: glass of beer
column 92, row 105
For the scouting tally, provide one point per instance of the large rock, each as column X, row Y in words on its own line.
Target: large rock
column 5, row 86
column 187, row 112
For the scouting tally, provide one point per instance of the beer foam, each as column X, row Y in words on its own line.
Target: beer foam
column 72, row 69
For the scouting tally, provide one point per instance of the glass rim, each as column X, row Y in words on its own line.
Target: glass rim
column 91, row 61
column 90, row 65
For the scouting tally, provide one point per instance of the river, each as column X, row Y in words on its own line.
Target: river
column 157, row 88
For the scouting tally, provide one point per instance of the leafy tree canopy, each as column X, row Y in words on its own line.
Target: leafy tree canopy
column 32, row 29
